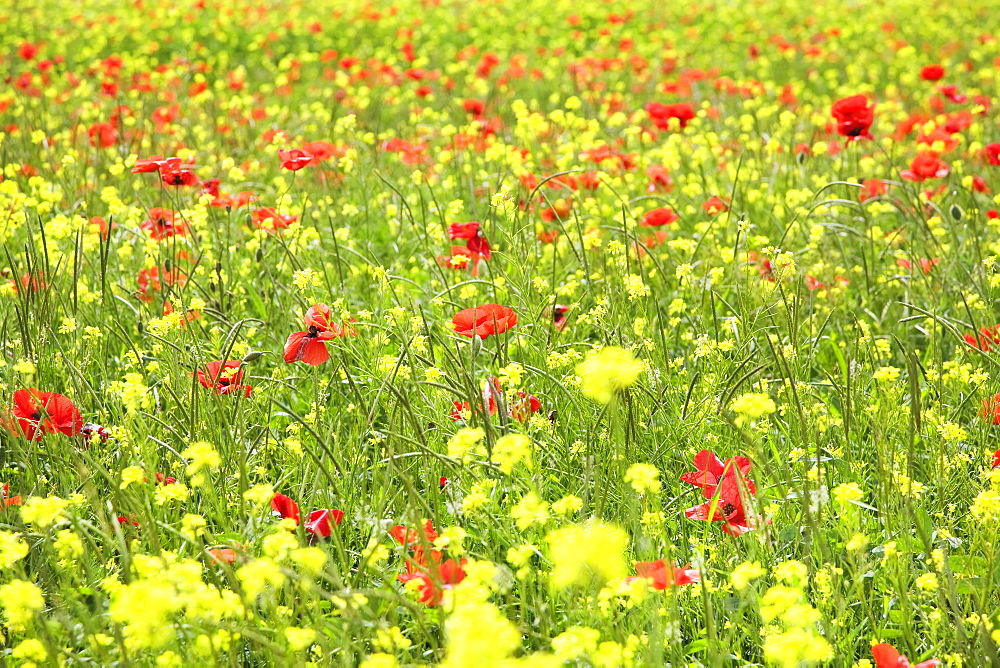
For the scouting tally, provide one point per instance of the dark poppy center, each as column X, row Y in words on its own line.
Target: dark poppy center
column 729, row 509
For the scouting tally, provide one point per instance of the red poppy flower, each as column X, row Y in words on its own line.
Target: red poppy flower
column 309, row 346
column 659, row 217
column 665, row 575
column 90, row 430
column 102, row 135
column 464, row 230
column 443, row 482
column 319, row 521
column 989, row 337
column 662, row 113
column 887, row 656
column 992, row 153
column 926, row 165
column 174, row 173
column 30, row 283
column 711, row 470
column 5, row 499
column 162, row 224
column 991, row 409
column 162, row 479
column 485, row 320
column 994, row 464
column 223, row 555
column 950, row 91
column 294, row 159
column 715, row 205
column 146, row 165
column 932, row 73
column 37, row 413
column 872, row 188
column 559, row 316
column 432, row 585
column 854, row 116
column 926, row 264
column 224, row 378
column 286, row 507
column 154, row 279
column 269, row 219
column 408, row 537
column 727, row 508
column 659, row 179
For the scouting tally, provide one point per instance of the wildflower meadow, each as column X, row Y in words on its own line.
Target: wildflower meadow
column 488, row 333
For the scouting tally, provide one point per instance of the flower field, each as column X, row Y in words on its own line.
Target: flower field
column 483, row 333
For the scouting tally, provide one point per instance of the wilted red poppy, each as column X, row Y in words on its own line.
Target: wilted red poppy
column 932, row 73
column 309, row 346
column 36, row 413
column 224, row 378
column 485, row 320
column 90, row 430
column 665, row 575
column 659, row 217
column 925, row 165
column 887, row 656
column 294, row 159
column 854, row 115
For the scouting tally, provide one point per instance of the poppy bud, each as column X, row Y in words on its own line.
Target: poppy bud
column 553, row 416
column 168, row 265
column 800, row 158
column 218, row 267
column 252, row 356
column 260, row 254
column 956, row 212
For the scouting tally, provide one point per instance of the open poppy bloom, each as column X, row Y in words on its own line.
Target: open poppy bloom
column 992, row 153
column 659, row 217
column 267, row 218
column 294, row 159
column 485, row 320
column 441, row 576
column 146, row 165
column 174, row 172
column 854, row 116
column 309, row 346
column 726, row 507
column 872, row 188
column 715, row 205
column 989, row 337
column 991, row 409
column 162, row 224
column 224, row 378
column 5, row 499
column 408, row 537
column 36, row 413
column 223, row 555
column 926, row 165
column 663, row 575
column 662, row 113
column 932, row 73
column 995, row 463
column 711, row 471
column 887, row 656
column 319, row 523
